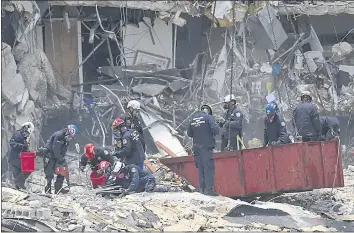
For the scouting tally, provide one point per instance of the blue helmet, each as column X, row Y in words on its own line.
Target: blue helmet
column 72, row 130
column 271, row 108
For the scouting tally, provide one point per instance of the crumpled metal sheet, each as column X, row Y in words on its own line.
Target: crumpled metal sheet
column 170, row 6
column 321, row 8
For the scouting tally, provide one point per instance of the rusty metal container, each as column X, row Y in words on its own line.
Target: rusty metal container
column 286, row 168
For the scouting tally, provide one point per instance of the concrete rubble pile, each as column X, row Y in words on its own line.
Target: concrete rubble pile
column 83, row 210
column 29, row 84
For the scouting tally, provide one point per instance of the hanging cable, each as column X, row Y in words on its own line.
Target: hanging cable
column 232, row 60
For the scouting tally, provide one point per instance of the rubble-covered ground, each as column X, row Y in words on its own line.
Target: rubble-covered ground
column 176, row 210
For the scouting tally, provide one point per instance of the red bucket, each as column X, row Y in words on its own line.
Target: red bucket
column 97, row 180
column 28, row 161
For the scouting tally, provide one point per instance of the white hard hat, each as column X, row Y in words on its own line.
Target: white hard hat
column 134, row 104
column 28, row 127
column 228, row 98
column 118, row 166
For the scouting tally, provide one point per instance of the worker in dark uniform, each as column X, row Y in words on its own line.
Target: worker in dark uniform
column 232, row 125
column 132, row 119
column 56, row 148
column 203, row 129
column 132, row 150
column 131, row 178
column 275, row 132
column 306, row 120
column 93, row 156
column 329, row 128
column 18, row 144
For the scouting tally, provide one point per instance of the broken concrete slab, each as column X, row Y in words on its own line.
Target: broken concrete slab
column 14, row 94
column 266, row 29
column 23, row 102
column 20, row 50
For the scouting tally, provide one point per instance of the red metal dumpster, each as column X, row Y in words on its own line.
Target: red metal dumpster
column 285, row 168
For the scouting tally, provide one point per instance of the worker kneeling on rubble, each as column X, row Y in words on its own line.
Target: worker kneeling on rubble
column 19, row 143
column 203, row 129
column 232, row 125
column 132, row 119
column 131, row 178
column 132, row 150
column 274, row 127
column 329, row 128
column 306, row 120
column 54, row 153
column 93, row 156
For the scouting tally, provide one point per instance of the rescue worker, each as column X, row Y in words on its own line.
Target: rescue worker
column 232, row 125
column 306, row 120
column 19, row 143
column 275, row 132
column 203, row 129
column 329, row 128
column 54, row 159
column 132, row 118
column 131, row 178
column 93, row 156
column 132, row 150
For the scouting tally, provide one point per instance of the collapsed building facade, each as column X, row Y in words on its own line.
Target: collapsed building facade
column 81, row 61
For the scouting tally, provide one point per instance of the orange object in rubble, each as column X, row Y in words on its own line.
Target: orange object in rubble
column 274, row 169
column 28, row 161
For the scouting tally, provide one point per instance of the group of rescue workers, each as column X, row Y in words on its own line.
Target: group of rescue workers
column 204, row 127
column 124, row 166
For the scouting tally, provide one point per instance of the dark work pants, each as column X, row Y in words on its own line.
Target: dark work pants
column 19, row 176
column 204, row 161
column 233, row 144
column 146, row 183
column 49, row 171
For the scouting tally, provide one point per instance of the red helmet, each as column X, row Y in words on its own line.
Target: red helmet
column 90, row 151
column 103, row 165
column 117, row 122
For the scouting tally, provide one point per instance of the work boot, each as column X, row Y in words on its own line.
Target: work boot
column 211, row 192
column 200, row 190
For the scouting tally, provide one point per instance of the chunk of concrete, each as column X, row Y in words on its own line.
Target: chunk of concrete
column 23, row 102
column 20, row 50
column 8, row 63
column 12, row 88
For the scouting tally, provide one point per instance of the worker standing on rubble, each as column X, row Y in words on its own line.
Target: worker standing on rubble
column 93, row 156
column 132, row 118
column 306, row 120
column 232, row 125
column 131, row 178
column 54, row 157
column 19, row 143
column 275, row 132
column 132, row 150
column 203, row 129
column 329, row 128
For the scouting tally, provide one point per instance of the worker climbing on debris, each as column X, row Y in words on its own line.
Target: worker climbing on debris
column 19, row 143
column 329, row 128
column 93, row 156
column 132, row 150
column 232, row 125
column 275, row 132
column 132, row 118
column 54, row 158
column 203, row 129
column 131, row 178
column 306, row 120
